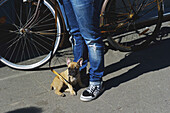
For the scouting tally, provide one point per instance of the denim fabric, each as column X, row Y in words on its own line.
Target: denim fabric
column 82, row 18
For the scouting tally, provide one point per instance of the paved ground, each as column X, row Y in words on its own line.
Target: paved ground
column 135, row 82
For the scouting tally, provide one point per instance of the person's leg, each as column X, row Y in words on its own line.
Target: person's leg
column 88, row 15
column 78, row 43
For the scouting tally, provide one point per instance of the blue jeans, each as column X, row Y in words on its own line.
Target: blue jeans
column 82, row 18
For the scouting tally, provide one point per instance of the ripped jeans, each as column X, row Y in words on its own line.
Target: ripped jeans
column 83, row 18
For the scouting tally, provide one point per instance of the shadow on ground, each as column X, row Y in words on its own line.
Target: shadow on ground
column 155, row 57
column 27, row 110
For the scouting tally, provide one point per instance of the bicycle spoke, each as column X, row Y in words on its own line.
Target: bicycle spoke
column 31, row 48
column 18, row 52
column 26, row 50
column 44, row 36
column 40, row 20
column 8, row 41
column 16, row 31
column 43, row 41
column 21, row 15
column 125, row 6
column 122, row 20
column 29, row 18
column 9, row 33
column 34, row 45
column 9, row 48
column 52, row 24
column 46, row 30
column 41, row 45
column 46, row 33
column 142, row 6
column 23, row 49
column 10, row 18
column 132, row 10
column 120, row 25
column 19, row 59
column 14, row 42
column 18, row 17
column 29, row 12
column 134, row 3
column 13, row 51
column 148, row 11
column 149, row 3
column 48, row 20
column 7, row 38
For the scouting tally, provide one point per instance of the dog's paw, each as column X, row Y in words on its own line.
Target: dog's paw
column 73, row 93
column 62, row 95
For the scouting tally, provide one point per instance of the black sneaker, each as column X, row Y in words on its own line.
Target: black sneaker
column 92, row 92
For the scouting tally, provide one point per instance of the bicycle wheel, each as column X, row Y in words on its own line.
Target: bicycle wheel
column 131, row 24
column 28, row 47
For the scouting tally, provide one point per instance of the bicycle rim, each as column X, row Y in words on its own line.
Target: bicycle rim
column 132, row 24
column 30, row 47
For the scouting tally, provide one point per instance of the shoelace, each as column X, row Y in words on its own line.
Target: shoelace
column 91, row 89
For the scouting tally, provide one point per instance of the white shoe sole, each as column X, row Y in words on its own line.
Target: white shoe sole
column 89, row 98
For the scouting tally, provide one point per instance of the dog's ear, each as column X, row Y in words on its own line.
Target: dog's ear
column 80, row 62
column 68, row 61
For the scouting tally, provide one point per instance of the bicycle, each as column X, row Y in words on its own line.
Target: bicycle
column 29, row 28
column 133, row 25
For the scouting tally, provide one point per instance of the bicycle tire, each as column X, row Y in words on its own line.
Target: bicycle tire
column 28, row 48
column 132, row 24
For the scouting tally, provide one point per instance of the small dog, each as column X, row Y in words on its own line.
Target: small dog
column 72, row 75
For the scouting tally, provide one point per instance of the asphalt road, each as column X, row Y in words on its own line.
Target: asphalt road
column 136, row 82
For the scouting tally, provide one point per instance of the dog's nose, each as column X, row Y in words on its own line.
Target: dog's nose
column 72, row 74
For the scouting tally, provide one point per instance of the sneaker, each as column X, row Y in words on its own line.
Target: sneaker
column 92, row 92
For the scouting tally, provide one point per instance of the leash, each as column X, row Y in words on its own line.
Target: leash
column 61, row 77
column 53, row 45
